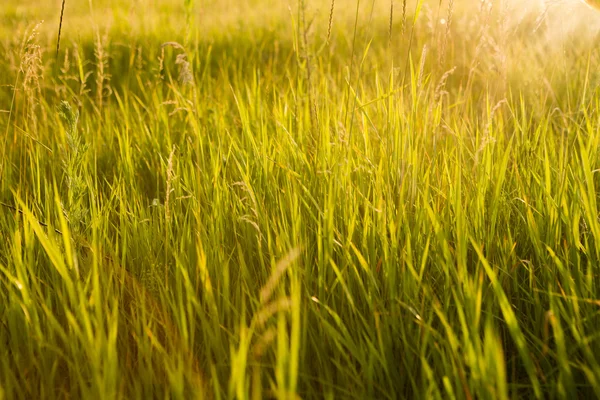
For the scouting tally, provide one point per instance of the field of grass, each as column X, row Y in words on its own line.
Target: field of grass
column 247, row 199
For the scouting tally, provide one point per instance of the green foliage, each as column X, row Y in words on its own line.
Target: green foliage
column 304, row 205
column 69, row 119
column 73, row 160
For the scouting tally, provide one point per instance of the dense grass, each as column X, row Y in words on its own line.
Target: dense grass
column 223, row 203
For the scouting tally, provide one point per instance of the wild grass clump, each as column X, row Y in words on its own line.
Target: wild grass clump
column 74, row 158
column 352, row 200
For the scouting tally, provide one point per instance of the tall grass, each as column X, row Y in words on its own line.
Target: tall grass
column 275, row 210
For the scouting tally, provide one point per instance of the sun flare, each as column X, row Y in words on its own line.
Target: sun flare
column 595, row 4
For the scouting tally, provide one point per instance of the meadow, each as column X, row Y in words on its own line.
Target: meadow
column 350, row 199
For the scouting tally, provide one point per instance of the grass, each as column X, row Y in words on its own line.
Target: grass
column 338, row 200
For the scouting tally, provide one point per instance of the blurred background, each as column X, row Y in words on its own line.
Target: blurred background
column 143, row 16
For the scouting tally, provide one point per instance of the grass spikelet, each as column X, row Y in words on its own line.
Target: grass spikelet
column 269, row 309
column 31, row 69
column 439, row 89
column 73, row 160
column 102, row 75
column 447, row 32
column 169, row 188
column 330, row 22
column 185, row 72
column 185, row 75
column 267, row 291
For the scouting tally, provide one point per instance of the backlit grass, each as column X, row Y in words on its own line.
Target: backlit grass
column 261, row 199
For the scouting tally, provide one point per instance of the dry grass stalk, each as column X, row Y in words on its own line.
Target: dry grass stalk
column 102, row 76
column 185, row 71
column 282, row 304
column 439, row 89
column 185, row 75
column 31, row 67
column 447, row 32
column 391, row 21
column 330, row 20
column 264, row 342
column 62, row 12
column 267, row 290
column 170, row 179
column 306, row 56
column 403, row 16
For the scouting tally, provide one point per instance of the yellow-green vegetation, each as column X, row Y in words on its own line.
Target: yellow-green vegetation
column 247, row 199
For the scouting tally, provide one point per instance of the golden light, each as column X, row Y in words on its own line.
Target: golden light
column 593, row 3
